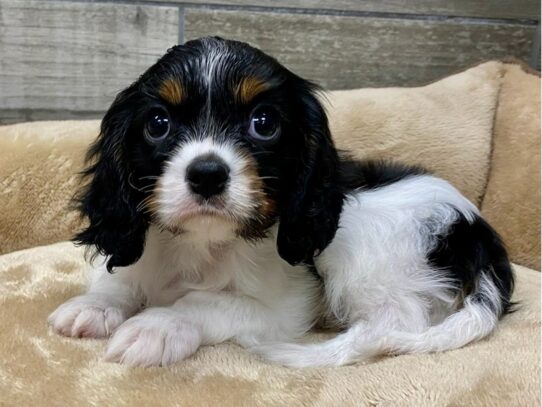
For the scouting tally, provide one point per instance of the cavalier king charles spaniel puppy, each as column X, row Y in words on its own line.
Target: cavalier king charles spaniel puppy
column 219, row 209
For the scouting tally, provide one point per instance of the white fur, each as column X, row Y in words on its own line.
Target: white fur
column 194, row 293
column 378, row 282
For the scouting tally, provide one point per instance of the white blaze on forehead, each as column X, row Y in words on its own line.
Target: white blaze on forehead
column 211, row 63
column 174, row 198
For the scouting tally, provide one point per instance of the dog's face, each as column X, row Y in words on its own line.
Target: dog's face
column 216, row 140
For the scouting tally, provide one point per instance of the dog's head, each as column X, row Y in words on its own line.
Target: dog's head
column 219, row 140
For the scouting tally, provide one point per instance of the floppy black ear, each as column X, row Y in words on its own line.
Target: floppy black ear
column 313, row 202
column 116, row 228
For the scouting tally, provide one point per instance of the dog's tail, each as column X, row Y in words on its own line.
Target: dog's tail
column 475, row 320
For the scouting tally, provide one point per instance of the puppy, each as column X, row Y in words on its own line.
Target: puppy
column 221, row 210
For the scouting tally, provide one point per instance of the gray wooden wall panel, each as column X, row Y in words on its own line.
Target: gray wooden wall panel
column 65, row 59
column 347, row 52
column 74, row 56
column 502, row 9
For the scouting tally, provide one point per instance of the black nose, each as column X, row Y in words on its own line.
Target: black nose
column 207, row 176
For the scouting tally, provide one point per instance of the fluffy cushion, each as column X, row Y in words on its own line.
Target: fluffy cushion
column 41, row 368
column 512, row 200
column 39, row 165
column 445, row 126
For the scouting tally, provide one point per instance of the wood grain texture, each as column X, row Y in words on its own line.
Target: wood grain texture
column 504, row 9
column 75, row 56
column 350, row 52
column 10, row 116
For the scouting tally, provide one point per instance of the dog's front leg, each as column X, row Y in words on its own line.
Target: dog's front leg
column 165, row 335
column 109, row 301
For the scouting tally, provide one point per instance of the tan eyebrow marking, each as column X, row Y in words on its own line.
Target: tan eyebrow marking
column 172, row 91
column 249, row 88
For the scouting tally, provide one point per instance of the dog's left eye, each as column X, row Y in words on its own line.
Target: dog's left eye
column 157, row 126
column 264, row 124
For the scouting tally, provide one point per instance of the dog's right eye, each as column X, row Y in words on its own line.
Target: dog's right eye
column 157, row 126
column 264, row 124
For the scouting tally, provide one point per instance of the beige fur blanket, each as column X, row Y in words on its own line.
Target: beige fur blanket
column 41, row 368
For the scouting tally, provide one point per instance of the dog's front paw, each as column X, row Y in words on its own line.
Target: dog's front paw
column 156, row 337
column 90, row 316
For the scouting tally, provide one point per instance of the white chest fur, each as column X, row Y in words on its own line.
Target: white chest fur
column 172, row 266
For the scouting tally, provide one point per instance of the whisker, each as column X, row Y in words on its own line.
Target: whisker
column 146, row 188
column 143, row 205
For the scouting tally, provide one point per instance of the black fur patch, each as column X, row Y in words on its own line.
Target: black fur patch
column 373, row 173
column 468, row 249
column 465, row 251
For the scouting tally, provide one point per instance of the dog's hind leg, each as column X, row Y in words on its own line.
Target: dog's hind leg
column 364, row 339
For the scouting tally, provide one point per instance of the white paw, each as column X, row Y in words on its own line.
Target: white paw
column 156, row 337
column 89, row 316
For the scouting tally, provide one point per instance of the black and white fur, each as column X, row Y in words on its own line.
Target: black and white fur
column 404, row 263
